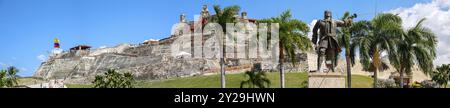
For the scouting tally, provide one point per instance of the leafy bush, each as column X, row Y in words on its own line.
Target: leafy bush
column 429, row 84
column 386, row 83
column 442, row 75
column 112, row 79
column 256, row 78
column 416, row 85
column 304, row 84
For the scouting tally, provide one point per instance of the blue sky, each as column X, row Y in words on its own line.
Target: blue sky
column 28, row 27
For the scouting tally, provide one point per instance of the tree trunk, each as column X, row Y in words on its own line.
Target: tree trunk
column 281, row 65
column 375, row 65
column 375, row 78
column 222, row 73
column 349, row 70
column 222, row 64
column 401, row 77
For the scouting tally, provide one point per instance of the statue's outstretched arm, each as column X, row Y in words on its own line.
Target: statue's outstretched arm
column 345, row 23
column 340, row 23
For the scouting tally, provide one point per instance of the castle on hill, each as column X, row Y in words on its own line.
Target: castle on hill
column 153, row 59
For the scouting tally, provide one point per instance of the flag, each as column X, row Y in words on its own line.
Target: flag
column 56, row 43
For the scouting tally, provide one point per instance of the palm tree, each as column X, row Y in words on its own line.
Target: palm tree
column 2, row 78
column 12, row 76
column 256, row 79
column 416, row 45
column 224, row 16
column 441, row 75
column 8, row 78
column 293, row 37
column 344, row 40
column 128, row 80
column 374, row 37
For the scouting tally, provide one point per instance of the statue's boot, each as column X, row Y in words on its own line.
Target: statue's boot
column 332, row 68
column 319, row 63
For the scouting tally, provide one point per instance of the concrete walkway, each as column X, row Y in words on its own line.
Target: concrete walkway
column 49, row 84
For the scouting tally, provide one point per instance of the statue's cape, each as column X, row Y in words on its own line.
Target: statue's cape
column 332, row 43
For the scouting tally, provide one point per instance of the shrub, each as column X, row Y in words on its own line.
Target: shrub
column 112, row 79
column 304, row 84
column 416, row 85
column 256, row 78
column 386, row 83
column 429, row 84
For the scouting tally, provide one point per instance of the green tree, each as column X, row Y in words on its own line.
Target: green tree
column 2, row 78
column 113, row 79
column 256, row 79
column 441, row 75
column 8, row 78
column 344, row 36
column 417, row 45
column 373, row 38
column 12, row 76
column 292, row 36
column 224, row 16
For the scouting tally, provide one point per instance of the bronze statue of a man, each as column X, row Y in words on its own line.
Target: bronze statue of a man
column 328, row 46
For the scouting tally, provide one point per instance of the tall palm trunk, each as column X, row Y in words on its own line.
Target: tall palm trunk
column 222, row 64
column 282, row 65
column 349, row 69
column 222, row 72
column 401, row 80
column 376, row 64
column 401, row 76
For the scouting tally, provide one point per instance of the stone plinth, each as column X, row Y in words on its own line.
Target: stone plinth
column 326, row 80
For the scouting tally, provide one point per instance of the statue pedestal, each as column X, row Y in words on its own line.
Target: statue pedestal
column 326, row 80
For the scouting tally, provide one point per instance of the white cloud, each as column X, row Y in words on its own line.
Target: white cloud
column 41, row 58
column 22, row 69
column 2, row 65
column 101, row 47
column 311, row 26
column 437, row 13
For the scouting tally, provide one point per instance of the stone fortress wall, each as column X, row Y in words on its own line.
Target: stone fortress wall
column 152, row 60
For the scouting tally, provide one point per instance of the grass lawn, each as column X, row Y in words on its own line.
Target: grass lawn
column 25, row 80
column 79, row 86
column 360, row 81
column 293, row 80
column 28, row 81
